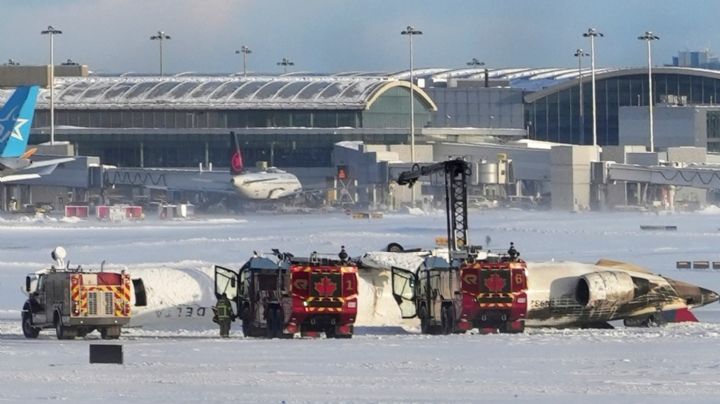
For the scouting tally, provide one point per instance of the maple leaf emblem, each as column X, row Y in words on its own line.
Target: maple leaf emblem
column 326, row 287
column 495, row 283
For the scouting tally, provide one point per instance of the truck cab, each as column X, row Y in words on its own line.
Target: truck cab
column 281, row 297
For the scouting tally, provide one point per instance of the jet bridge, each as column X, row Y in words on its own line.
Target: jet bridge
column 191, row 180
column 695, row 176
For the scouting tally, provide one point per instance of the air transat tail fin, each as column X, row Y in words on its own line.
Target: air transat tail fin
column 236, row 162
column 15, row 120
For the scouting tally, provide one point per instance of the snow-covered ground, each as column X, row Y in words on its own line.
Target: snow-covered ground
column 674, row 363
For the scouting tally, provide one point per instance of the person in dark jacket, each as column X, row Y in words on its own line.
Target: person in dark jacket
column 512, row 252
column 223, row 314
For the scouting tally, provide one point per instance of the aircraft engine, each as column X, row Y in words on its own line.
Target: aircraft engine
column 605, row 288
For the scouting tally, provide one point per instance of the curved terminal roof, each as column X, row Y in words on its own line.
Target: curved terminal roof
column 348, row 90
column 539, row 82
column 527, row 79
column 566, row 81
column 345, row 91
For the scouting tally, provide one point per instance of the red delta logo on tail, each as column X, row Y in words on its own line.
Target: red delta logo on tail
column 236, row 161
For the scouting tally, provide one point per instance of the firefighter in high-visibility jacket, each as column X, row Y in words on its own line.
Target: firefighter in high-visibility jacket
column 223, row 315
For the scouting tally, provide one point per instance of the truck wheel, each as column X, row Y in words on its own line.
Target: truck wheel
column 110, row 333
column 513, row 327
column 247, row 328
column 274, row 323
column 63, row 332
column 447, row 318
column 28, row 330
column 425, row 327
column 250, row 330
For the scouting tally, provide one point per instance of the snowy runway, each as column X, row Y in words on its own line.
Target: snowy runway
column 678, row 363
column 670, row 364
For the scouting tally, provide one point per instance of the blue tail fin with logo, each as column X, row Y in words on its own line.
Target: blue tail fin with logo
column 15, row 120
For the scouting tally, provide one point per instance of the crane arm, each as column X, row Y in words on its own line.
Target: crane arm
column 456, row 173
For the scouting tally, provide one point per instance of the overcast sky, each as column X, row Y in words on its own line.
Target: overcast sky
column 343, row 35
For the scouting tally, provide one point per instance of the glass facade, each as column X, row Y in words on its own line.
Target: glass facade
column 713, row 131
column 392, row 110
column 187, row 137
column 556, row 117
column 200, row 118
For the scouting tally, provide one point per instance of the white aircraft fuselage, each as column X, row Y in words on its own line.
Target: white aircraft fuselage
column 268, row 184
column 560, row 294
column 565, row 294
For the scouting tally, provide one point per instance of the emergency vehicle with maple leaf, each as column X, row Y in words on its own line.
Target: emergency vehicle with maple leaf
column 465, row 287
column 76, row 302
column 283, row 295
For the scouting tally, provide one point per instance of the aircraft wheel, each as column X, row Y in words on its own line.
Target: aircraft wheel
column 28, row 330
column 394, row 248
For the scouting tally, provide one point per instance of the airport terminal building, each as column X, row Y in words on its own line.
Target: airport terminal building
column 181, row 121
column 293, row 120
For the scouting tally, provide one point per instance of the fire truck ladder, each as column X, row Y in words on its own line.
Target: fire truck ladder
column 456, row 174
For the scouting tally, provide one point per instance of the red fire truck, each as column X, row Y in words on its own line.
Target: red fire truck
column 494, row 294
column 471, row 288
column 280, row 297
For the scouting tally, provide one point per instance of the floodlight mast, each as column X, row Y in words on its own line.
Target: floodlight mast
column 592, row 33
column 245, row 51
column 52, row 32
column 285, row 62
column 579, row 53
column 649, row 37
column 160, row 37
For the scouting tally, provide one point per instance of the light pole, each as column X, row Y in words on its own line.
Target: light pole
column 52, row 32
column 476, row 63
column 410, row 32
column 285, row 62
column 649, row 37
column 579, row 53
column 592, row 33
column 245, row 51
column 160, row 36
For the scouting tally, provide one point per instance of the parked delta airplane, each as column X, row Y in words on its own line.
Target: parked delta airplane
column 15, row 120
column 271, row 183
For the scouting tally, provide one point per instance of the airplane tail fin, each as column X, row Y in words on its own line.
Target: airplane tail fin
column 236, row 161
column 15, row 120
column 679, row 315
